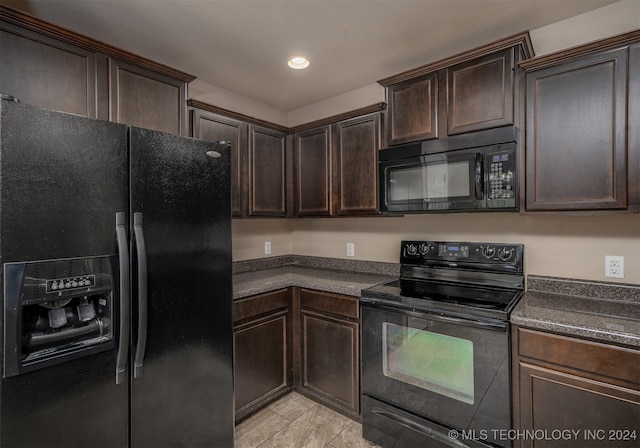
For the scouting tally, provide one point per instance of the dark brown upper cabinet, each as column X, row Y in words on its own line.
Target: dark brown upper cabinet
column 260, row 159
column 213, row 127
column 313, row 157
column 582, row 144
column 46, row 72
column 480, row 93
column 356, row 159
column 336, row 165
column 267, row 172
column 48, row 66
column 472, row 91
column 413, row 109
column 146, row 99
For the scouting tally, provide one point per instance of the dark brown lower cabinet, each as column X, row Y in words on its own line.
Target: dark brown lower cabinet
column 298, row 338
column 570, row 392
column 328, row 344
column 262, row 350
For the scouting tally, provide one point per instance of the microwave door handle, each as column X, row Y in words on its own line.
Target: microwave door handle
column 479, row 177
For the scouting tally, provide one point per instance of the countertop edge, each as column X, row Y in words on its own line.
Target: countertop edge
column 320, row 278
column 596, row 310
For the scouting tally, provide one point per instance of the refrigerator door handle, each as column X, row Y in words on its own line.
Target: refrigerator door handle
column 141, row 249
column 123, row 253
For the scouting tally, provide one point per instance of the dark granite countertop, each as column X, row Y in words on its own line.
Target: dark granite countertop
column 607, row 312
column 339, row 276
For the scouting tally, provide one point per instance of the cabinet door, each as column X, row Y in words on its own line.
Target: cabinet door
column 313, row 172
column 591, row 413
column 413, row 110
column 356, row 174
column 146, row 99
column 45, row 72
column 480, row 93
column 212, row 127
column 261, row 350
column 329, row 349
column 589, row 389
column 267, row 172
column 576, row 134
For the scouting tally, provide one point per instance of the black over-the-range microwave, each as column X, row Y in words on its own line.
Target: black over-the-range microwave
column 470, row 172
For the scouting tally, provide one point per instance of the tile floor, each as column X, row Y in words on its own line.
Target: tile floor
column 295, row 421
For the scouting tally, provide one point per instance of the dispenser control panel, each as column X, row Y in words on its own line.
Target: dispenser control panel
column 68, row 283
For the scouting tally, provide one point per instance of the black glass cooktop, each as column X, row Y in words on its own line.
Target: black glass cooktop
column 430, row 296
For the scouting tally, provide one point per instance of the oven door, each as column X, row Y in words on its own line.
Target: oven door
column 447, row 181
column 446, row 370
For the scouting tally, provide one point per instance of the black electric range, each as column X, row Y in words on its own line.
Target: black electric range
column 435, row 356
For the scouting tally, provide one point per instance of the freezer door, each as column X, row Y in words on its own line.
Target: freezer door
column 182, row 392
column 63, row 178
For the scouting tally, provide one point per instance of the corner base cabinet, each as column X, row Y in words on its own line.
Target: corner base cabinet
column 570, row 392
column 262, row 350
column 328, row 344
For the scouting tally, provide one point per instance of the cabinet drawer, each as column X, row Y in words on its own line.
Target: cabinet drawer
column 259, row 305
column 330, row 303
column 603, row 360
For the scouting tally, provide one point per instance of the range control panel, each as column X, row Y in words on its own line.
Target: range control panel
column 431, row 252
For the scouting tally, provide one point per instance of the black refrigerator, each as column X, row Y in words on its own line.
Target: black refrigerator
column 115, row 247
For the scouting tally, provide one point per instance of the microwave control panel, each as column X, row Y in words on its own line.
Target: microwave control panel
column 501, row 178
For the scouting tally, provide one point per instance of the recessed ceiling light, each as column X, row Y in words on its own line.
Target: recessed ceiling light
column 298, row 62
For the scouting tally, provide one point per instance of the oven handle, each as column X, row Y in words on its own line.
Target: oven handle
column 431, row 315
column 429, row 432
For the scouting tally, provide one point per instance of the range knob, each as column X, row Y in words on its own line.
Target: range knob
column 505, row 253
column 412, row 249
column 488, row 251
column 424, row 248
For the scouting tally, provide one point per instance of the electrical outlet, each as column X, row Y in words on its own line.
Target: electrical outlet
column 351, row 250
column 267, row 247
column 613, row 266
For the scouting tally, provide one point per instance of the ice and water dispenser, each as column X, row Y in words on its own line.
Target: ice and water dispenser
column 56, row 310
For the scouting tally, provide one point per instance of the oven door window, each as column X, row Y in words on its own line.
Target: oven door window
column 431, row 361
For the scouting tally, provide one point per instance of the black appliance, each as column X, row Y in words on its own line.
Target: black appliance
column 470, row 172
column 436, row 346
column 115, row 246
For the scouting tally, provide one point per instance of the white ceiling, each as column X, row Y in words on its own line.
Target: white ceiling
column 243, row 45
